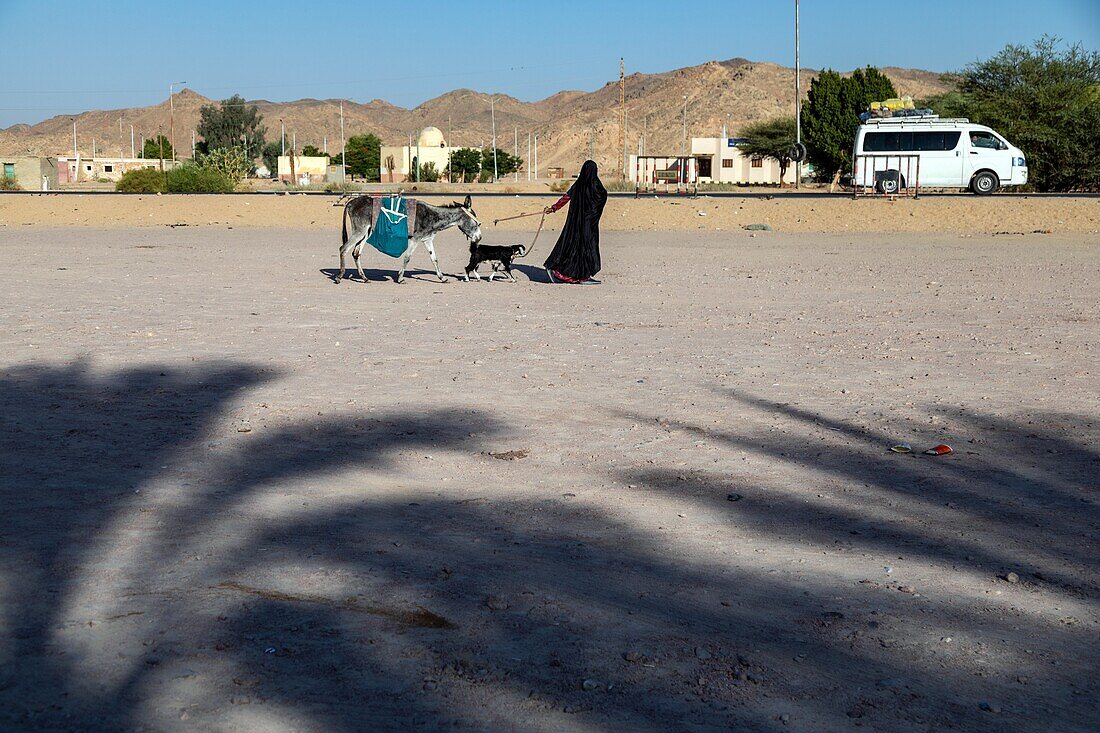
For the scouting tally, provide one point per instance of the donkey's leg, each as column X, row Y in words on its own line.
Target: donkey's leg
column 405, row 259
column 353, row 246
column 358, row 250
column 429, row 243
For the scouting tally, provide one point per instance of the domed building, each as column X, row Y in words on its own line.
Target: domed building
column 399, row 163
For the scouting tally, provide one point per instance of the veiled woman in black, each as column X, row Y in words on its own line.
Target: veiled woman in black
column 576, row 256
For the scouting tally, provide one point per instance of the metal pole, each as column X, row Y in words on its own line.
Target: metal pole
column 343, row 147
column 419, row 165
column 293, row 142
column 324, row 142
column 516, row 132
column 536, row 157
column 797, row 100
column 493, row 112
column 172, row 116
column 282, row 135
column 133, row 152
column 528, row 166
column 684, row 140
column 76, row 156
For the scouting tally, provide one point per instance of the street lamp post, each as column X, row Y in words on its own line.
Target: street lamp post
column 172, row 115
column 493, row 114
column 282, row 135
column 797, row 100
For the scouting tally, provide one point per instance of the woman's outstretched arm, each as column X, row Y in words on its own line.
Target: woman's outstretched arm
column 557, row 204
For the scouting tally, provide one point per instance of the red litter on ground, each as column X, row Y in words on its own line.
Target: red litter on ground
column 940, row 450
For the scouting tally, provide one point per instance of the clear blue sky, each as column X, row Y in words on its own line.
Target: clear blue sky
column 281, row 50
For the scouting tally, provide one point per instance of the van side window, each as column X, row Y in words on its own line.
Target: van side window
column 980, row 139
column 892, row 142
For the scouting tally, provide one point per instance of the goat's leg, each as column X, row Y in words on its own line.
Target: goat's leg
column 429, row 243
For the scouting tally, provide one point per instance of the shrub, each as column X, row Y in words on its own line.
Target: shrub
column 233, row 163
column 9, row 184
column 142, row 180
column 196, row 179
column 428, row 173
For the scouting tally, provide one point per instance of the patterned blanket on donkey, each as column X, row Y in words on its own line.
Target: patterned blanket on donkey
column 392, row 224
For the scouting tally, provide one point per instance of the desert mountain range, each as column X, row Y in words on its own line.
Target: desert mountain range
column 571, row 125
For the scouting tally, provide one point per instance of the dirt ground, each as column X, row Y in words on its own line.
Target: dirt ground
column 238, row 497
column 1002, row 215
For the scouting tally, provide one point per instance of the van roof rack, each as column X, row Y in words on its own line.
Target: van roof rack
column 923, row 118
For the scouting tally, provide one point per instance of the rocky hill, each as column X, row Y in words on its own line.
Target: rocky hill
column 571, row 125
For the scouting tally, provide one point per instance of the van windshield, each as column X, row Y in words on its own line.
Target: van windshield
column 891, row 142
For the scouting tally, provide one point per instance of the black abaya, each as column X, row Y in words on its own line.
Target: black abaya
column 577, row 252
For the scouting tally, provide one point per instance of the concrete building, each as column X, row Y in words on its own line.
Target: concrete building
column 429, row 147
column 719, row 160
column 103, row 169
column 30, row 173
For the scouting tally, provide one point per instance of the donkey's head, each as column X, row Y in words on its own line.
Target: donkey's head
column 468, row 224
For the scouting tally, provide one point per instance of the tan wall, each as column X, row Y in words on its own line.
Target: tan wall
column 29, row 172
column 316, row 167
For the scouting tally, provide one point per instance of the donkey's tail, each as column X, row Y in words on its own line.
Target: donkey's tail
column 344, row 223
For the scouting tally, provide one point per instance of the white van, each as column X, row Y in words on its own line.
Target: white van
column 897, row 152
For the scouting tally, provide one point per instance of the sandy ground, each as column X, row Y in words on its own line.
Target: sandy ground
column 238, row 497
column 930, row 214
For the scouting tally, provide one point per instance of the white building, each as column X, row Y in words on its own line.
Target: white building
column 397, row 163
column 719, row 160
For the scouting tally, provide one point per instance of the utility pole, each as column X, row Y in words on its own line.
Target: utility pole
column 282, row 135
column 536, row 157
column 622, row 115
column 493, row 112
column 121, row 145
column 645, row 130
column 684, row 140
column 797, row 101
column 528, row 165
column 343, row 147
column 419, row 165
column 172, row 116
column 516, row 132
column 76, row 156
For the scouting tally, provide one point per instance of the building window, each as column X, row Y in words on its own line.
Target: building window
column 757, row 162
column 108, row 169
column 727, row 162
column 88, row 168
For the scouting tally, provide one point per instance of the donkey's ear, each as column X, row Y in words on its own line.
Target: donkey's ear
column 468, row 202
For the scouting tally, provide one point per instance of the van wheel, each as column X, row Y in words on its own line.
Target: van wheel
column 984, row 183
column 889, row 182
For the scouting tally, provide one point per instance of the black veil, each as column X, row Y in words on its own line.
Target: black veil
column 577, row 252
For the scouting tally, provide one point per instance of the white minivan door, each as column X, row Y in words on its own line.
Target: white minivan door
column 941, row 161
column 986, row 151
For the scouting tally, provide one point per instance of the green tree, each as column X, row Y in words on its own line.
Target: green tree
column 465, row 165
column 506, row 163
column 363, row 156
column 1046, row 100
column 312, row 151
column 231, row 123
column 830, row 114
column 271, row 153
column 770, row 139
column 152, row 148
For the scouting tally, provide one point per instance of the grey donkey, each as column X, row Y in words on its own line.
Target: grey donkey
column 430, row 220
